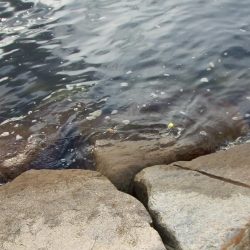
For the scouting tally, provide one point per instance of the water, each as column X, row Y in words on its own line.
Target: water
column 71, row 69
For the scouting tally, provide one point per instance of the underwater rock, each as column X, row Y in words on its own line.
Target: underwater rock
column 121, row 160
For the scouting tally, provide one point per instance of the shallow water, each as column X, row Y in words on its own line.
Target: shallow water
column 73, row 68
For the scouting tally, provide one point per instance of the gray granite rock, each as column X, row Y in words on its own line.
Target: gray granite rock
column 194, row 211
column 232, row 164
column 72, row 209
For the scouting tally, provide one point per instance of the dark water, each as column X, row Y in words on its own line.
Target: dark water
column 74, row 68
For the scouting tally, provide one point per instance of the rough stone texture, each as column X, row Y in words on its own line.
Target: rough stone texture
column 72, row 209
column 240, row 242
column 120, row 160
column 15, row 161
column 194, row 211
column 232, row 164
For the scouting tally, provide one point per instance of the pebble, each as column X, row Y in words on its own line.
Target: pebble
column 114, row 112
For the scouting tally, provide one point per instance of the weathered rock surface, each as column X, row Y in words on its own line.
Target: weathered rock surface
column 15, row 158
column 194, row 211
column 232, row 165
column 121, row 160
column 72, row 209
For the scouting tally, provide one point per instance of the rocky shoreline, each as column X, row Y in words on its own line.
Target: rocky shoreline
column 189, row 204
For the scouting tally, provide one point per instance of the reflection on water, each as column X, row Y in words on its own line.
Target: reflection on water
column 73, row 68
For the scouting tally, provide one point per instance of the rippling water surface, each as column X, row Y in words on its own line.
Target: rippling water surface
column 78, row 67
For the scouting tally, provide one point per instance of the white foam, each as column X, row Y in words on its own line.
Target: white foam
column 13, row 119
column 204, row 80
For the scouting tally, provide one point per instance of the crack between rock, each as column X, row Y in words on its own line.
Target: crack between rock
column 237, row 183
column 165, row 236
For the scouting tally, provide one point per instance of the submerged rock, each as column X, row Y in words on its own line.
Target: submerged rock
column 72, row 209
column 200, row 210
column 189, row 135
column 121, row 160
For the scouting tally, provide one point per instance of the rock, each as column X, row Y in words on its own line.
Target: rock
column 19, row 160
column 201, row 130
column 121, row 160
column 232, row 165
column 72, row 209
column 193, row 211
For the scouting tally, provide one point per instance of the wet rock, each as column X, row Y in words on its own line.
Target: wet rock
column 16, row 157
column 121, row 160
column 72, row 209
column 194, row 210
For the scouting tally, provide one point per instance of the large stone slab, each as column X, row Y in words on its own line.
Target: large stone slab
column 232, row 164
column 72, row 209
column 194, row 211
column 121, row 160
